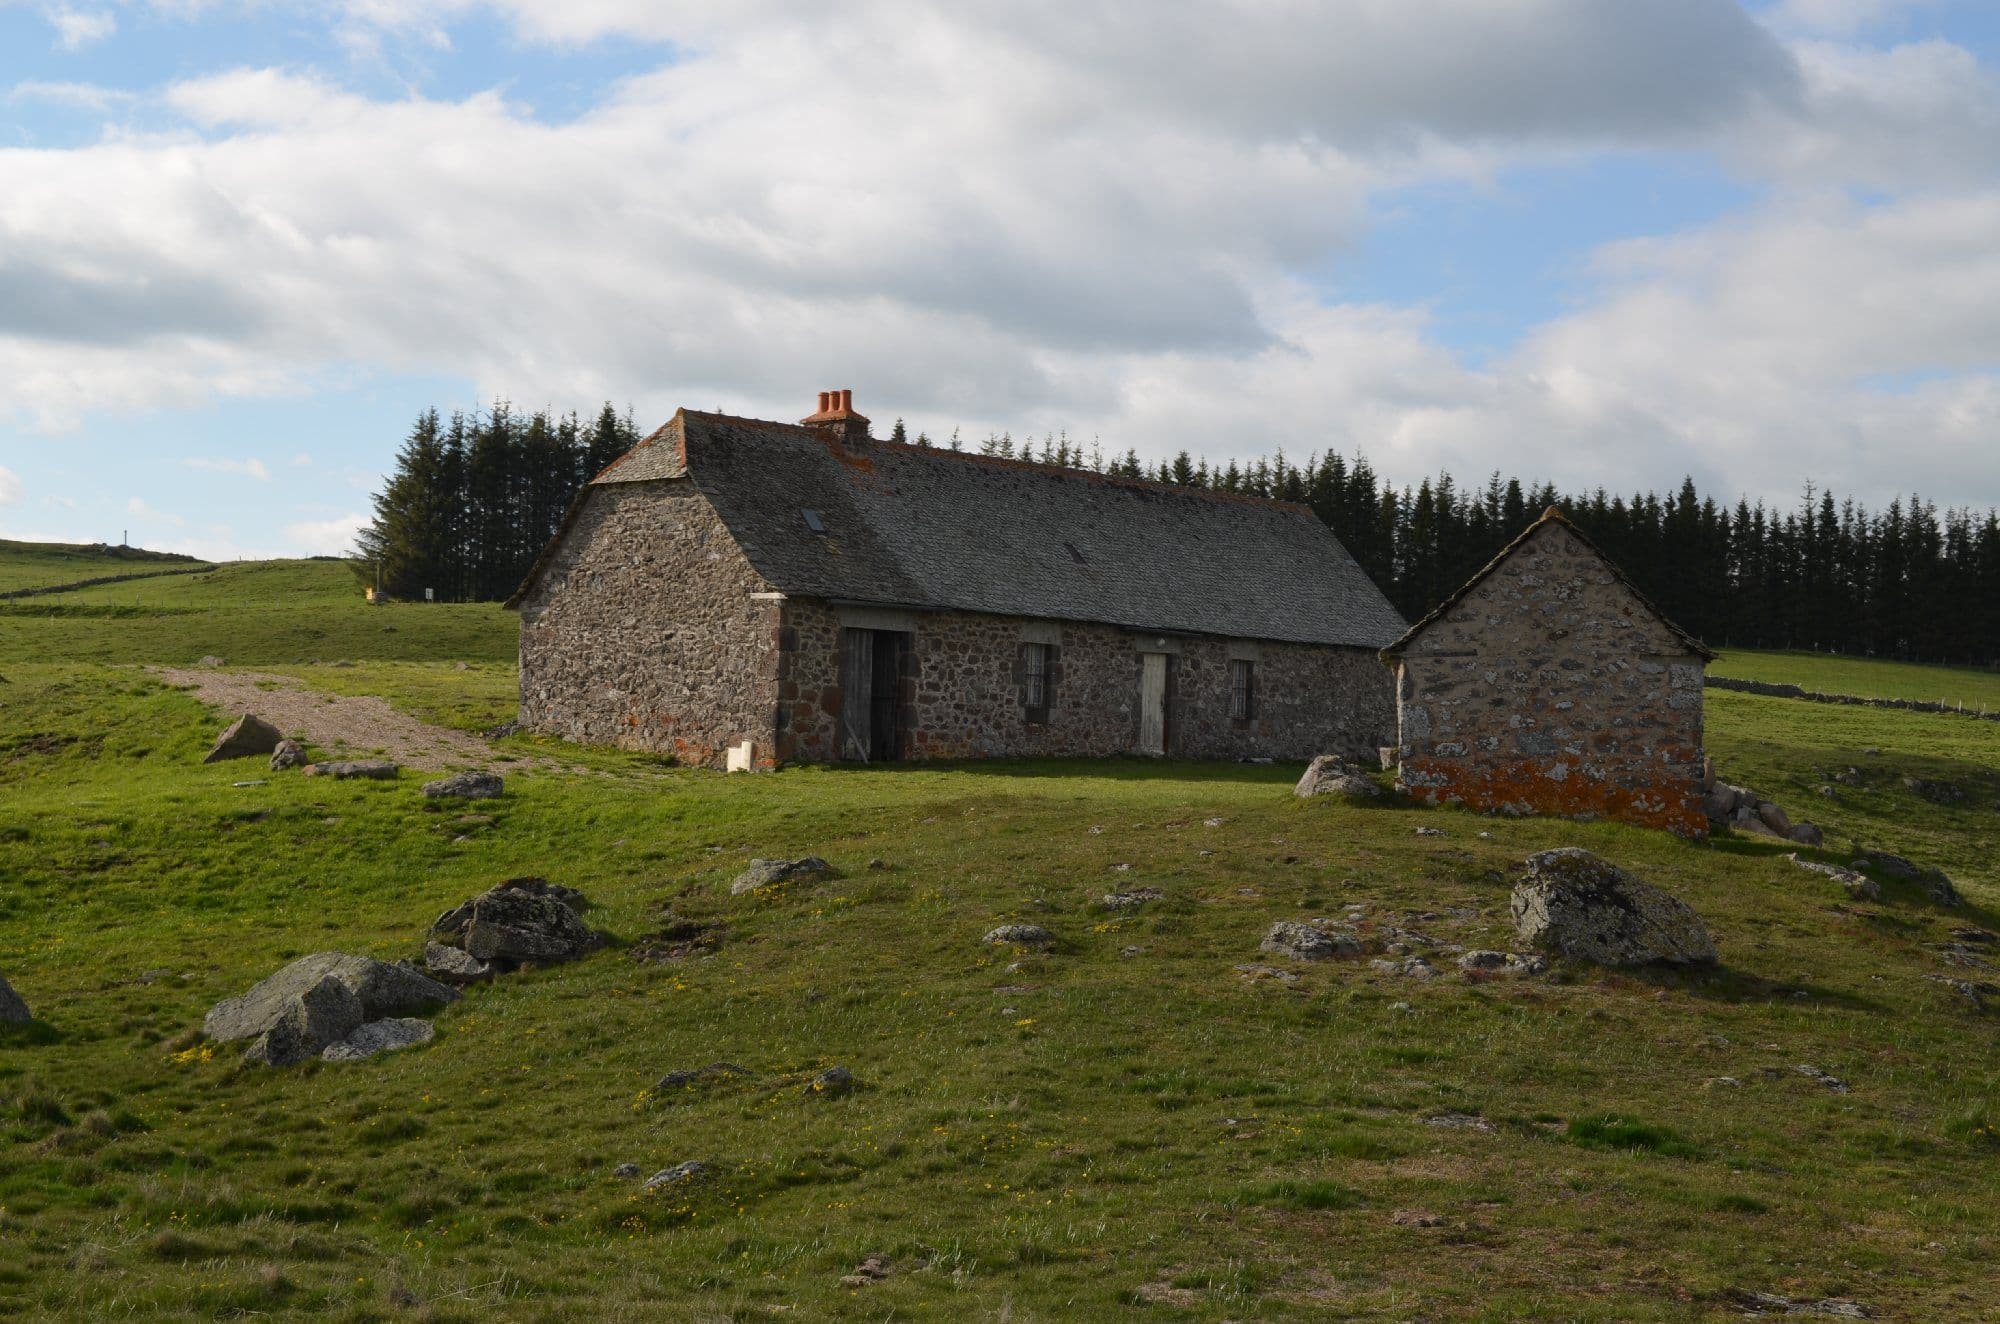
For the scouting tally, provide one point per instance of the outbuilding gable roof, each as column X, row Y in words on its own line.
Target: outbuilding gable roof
column 915, row 527
column 1551, row 516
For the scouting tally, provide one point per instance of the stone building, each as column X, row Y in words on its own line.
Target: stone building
column 746, row 593
column 1550, row 685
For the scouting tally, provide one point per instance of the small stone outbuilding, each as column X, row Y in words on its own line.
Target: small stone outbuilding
column 1550, row 685
column 744, row 593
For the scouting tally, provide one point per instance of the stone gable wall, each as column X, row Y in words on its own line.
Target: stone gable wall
column 1552, row 688
column 964, row 696
column 643, row 634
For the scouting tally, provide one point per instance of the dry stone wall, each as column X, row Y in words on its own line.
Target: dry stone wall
column 964, row 693
column 1552, row 688
column 644, row 632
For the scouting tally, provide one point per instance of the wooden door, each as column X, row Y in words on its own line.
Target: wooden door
column 857, row 679
column 1153, row 703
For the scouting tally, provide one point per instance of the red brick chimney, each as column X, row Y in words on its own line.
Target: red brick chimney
column 836, row 414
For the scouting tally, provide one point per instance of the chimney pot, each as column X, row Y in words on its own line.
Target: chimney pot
column 823, row 397
column 846, row 399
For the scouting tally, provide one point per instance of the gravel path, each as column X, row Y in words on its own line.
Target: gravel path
column 351, row 725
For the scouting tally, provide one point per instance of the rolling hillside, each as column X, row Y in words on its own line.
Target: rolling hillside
column 1146, row 1122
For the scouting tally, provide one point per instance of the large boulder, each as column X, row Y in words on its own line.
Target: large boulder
column 520, row 920
column 1577, row 905
column 248, row 737
column 1329, row 774
column 474, row 785
column 288, row 754
column 13, row 1011
column 319, row 1000
column 381, row 988
column 765, row 874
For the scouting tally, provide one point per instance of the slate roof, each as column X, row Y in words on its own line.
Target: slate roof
column 1553, row 515
column 912, row 527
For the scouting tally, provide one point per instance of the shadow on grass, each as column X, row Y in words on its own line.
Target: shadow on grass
column 33, row 1034
column 1728, row 984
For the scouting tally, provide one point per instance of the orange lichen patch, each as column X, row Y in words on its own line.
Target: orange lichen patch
column 1534, row 786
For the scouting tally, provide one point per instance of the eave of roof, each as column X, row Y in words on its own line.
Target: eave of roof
column 1552, row 515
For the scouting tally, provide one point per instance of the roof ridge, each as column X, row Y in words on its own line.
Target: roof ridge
column 1031, row 466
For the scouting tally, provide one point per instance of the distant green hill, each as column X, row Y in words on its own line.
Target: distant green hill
column 44, row 564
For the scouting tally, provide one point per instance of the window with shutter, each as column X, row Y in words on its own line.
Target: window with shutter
column 1242, row 690
column 1035, row 681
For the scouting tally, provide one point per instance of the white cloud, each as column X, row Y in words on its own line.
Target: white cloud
column 138, row 509
column 1049, row 213
column 76, row 29
column 1841, row 18
column 251, row 468
column 326, row 537
column 10, row 487
column 76, row 96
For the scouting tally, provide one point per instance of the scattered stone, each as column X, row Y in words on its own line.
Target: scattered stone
column 1578, row 905
column 1431, row 832
column 1859, row 886
column 1032, row 936
column 208, row 660
column 871, row 1270
column 1807, row 834
column 288, row 754
column 503, row 730
column 681, row 1079
column 1303, row 942
column 1458, row 1122
column 1937, row 792
column 453, row 965
column 1416, row 1218
column 1934, row 883
column 1257, row 972
column 1770, row 1303
column 1410, row 967
column 1822, row 1076
column 384, row 1036
column 878, row 863
column 1483, row 962
column 1132, row 898
column 319, row 1000
column 764, row 874
column 676, row 940
column 249, row 736
column 1723, row 1083
column 13, row 1009
column 1211, row 822
column 691, row 1170
column 240, row 785
column 831, row 1083
column 473, row 785
column 380, row 770
column 520, row 920
column 1329, row 774
column 1976, row 994
column 627, row 1171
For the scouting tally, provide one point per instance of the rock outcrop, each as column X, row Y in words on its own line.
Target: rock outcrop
column 1859, row 886
column 318, row 1001
column 765, row 874
column 249, row 736
column 1935, row 883
column 515, row 922
column 1032, row 936
column 348, row 769
column 1574, row 904
column 288, row 754
column 473, row 785
column 13, row 1010
column 1329, row 774
column 1303, row 942
column 1743, row 809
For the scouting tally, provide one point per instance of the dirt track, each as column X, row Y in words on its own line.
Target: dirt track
column 350, row 725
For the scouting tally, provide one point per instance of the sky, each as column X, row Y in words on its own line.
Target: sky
column 1598, row 242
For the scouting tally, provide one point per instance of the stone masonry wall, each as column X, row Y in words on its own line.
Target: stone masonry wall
column 963, row 693
column 643, row 633
column 1551, row 688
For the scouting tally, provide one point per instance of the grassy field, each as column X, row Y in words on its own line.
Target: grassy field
column 40, row 564
column 1973, row 687
column 1127, row 1127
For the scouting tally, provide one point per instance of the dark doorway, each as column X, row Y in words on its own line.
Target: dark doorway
column 871, row 700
